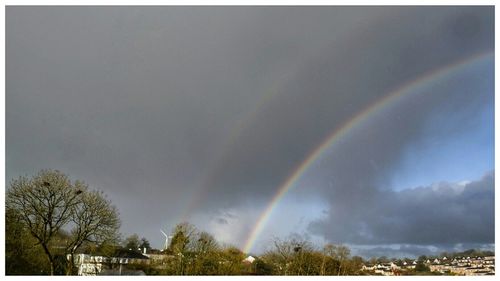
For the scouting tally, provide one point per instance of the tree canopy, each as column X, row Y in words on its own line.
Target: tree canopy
column 60, row 215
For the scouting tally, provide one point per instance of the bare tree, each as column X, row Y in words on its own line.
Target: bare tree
column 343, row 255
column 205, row 243
column 45, row 204
column 340, row 253
column 49, row 202
column 283, row 255
column 291, row 256
column 94, row 220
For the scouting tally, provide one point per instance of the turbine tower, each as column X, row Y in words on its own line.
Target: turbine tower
column 166, row 239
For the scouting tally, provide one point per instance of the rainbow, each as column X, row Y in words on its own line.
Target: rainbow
column 241, row 125
column 391, row 98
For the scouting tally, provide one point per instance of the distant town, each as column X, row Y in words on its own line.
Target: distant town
column 458, row 265
column 153, row 261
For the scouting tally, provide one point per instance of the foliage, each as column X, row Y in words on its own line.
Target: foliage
column 297, row 256
column 60, row 215
column 262, row 268
column 146, row 268
column 94, row 220
column 145, row 244
column 49, row 217
column 22, row 255
column 231, row 261
column 132, row 242
column 421, row 267
column 198, row 253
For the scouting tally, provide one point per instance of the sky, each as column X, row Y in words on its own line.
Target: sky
column 201, row 114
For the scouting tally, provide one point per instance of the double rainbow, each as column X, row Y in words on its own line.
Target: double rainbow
column 391, row 98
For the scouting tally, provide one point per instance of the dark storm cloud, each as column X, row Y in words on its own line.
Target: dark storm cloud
column 221, row 221
column 140, row 91
column 414, row 251
column 347, row 75
column 442, row 214
column 406, row 251
column 141, row 102
column 359, row 170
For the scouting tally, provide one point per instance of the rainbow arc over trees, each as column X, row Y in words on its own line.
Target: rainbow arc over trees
column 395, row 96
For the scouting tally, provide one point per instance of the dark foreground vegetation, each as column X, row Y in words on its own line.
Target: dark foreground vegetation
column 55, row 226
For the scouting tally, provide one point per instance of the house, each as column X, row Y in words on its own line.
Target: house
column 90, row 265
column 469, row 266
column 368, row 267
column 249, row 259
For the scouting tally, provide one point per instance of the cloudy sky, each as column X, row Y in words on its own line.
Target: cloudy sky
column 202, row 113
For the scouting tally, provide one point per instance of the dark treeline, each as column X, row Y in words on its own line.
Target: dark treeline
column 50, row 219
column 194, row 252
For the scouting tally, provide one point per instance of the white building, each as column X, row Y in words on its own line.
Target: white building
column 89, row 265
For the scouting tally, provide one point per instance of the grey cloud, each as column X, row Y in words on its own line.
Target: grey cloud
column 414, row 251
column 397, row 251
column 221, row 221
column 442, row 214
column 142, row 102
column 359, row 173
column 345, row 77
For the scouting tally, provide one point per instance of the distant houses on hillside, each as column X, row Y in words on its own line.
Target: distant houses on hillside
column 126, row 262
column 467, row 266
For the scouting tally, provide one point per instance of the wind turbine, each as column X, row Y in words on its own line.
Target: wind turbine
column 166, row 239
